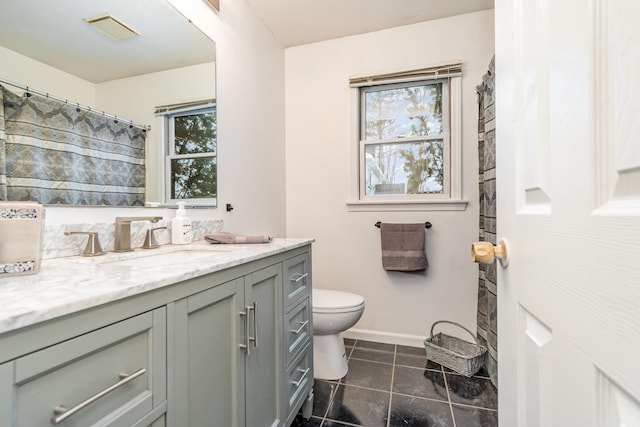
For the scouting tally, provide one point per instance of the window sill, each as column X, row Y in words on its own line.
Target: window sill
column 406, row 205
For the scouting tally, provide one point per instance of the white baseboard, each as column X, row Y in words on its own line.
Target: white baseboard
column 384, row 337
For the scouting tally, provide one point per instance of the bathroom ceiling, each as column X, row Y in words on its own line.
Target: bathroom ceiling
column 297, row 22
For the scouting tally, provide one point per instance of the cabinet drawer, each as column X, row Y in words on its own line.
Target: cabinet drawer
column 88, row 376
column 299, row 379
column 297, row 276
column 298, row 329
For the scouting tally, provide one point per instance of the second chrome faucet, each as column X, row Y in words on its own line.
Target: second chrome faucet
column 123, row 231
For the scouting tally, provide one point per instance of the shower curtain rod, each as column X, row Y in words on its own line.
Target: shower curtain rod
column 29, row 91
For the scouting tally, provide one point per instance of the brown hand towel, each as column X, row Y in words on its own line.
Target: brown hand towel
column 225, row 237
column 403, row 247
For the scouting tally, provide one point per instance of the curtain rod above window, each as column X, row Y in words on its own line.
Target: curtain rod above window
column 28, row 90
column 453, row 69
column 183, row 106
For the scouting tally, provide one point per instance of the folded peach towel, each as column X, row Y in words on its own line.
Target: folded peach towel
column 225, row 237
column 403, row 247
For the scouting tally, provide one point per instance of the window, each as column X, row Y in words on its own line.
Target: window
column 190, row 155
column 404, row 134
column 409, row 138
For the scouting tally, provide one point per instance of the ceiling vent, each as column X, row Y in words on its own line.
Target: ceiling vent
column 112, row 27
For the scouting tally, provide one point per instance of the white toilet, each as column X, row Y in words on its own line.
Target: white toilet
column 333, row 313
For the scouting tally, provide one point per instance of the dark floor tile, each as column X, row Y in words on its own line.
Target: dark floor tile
column 420, row 383
column 322, row 394
column 433, row 365
column 467, row 416
column 330, row 423
column 374, row 375
column 482, row 373
column 349, row 341
column 408, row 411
column 347, row 351
column 472, row 391
column 301, row 422
column 415, row 351
column 359, row 406
column 411, row 356
column 375, row 345
column 373, row 354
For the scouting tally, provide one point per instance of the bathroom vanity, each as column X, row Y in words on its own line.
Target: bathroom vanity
column 191, row 335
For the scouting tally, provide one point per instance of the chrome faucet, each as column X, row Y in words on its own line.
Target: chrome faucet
column 150, row 240
column 123, row 231
column 93, row 247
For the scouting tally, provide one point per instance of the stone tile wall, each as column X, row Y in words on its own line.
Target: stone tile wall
column 55, row 244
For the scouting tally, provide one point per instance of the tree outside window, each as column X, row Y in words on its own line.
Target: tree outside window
column 403, row 138
column 192, row 159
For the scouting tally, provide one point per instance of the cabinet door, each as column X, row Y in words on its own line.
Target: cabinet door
column 209, row 364
column 264, row 363
column 6, row 390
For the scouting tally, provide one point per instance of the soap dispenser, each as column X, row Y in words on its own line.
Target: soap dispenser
column 181, row 231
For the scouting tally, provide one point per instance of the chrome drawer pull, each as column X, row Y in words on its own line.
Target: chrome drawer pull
column 299, row 278
column 255, row 323
column 245, row 347
column 302, row 325
column 304, row 374
column 61, row 412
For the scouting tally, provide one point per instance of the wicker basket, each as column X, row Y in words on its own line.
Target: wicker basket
column 454, row 353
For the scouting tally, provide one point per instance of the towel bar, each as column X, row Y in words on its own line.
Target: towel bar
column 426, row 224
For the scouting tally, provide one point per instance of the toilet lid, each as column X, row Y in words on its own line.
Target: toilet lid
column 324, row 299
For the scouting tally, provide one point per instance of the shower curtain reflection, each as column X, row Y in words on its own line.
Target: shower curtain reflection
column 55, row 153
column 487, row 300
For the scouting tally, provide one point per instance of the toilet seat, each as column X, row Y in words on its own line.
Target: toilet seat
column 332, row 301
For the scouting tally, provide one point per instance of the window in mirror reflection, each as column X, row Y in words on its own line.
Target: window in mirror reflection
column 191, row 160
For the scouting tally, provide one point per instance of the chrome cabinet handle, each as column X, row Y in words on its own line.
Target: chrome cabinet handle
column 255, row 323
column 245, row 313
column 304, row 374
column 61, row 412
column 299, row 278
column 302, row 325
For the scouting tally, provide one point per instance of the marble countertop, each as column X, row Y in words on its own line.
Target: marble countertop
column 67, row 285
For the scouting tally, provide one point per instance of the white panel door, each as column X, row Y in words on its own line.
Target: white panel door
column 568, row 182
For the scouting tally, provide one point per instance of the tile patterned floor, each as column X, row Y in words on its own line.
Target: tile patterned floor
column 392, row 385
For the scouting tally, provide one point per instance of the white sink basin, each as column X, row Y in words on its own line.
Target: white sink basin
column 164, row 259
column 162, row 256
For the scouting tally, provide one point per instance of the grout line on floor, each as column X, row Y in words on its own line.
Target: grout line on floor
column 393, row 373
column 372, row 361
column 446, row 387
column 344, row 423
column 465, row 405
column 426, row 398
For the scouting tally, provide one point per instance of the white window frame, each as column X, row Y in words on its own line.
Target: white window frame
column 169, row 153
column 451, row 200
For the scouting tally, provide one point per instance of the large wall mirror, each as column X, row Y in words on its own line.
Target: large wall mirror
column 163, row 77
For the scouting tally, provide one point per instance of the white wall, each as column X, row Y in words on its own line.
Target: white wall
column 400, row 307
column 250, row 94
column 23, row 70
column 250, row 88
